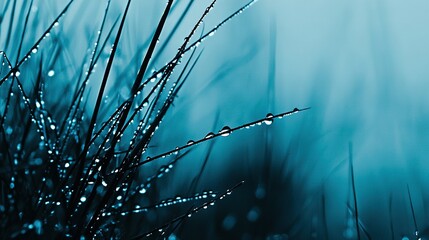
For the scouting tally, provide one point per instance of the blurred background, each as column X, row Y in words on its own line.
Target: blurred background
column 362, row 67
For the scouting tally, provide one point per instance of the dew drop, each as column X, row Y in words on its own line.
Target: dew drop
column 209, row 135
column 104, row 183
column 269, row 119
column 177, row 151
column 225, row 131
column 16, row 73
column 190, row 142
column 51, row 73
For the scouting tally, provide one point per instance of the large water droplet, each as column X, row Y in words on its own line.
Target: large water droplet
column 269, row 119
column 209, row 135
column 225, row 131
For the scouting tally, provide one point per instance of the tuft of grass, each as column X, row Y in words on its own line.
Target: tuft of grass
column 72, row 168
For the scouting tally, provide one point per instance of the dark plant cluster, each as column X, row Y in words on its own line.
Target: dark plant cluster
column 75, row 167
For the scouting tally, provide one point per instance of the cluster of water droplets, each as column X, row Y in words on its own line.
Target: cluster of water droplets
column 223, row 132
column 168, row 202
column 35, row 48
column 195, row 210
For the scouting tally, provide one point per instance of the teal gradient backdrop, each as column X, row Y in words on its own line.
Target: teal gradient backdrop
column 362, row 67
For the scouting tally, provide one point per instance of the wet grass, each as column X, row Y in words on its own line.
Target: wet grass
column 72, row 167
column 81, row 156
